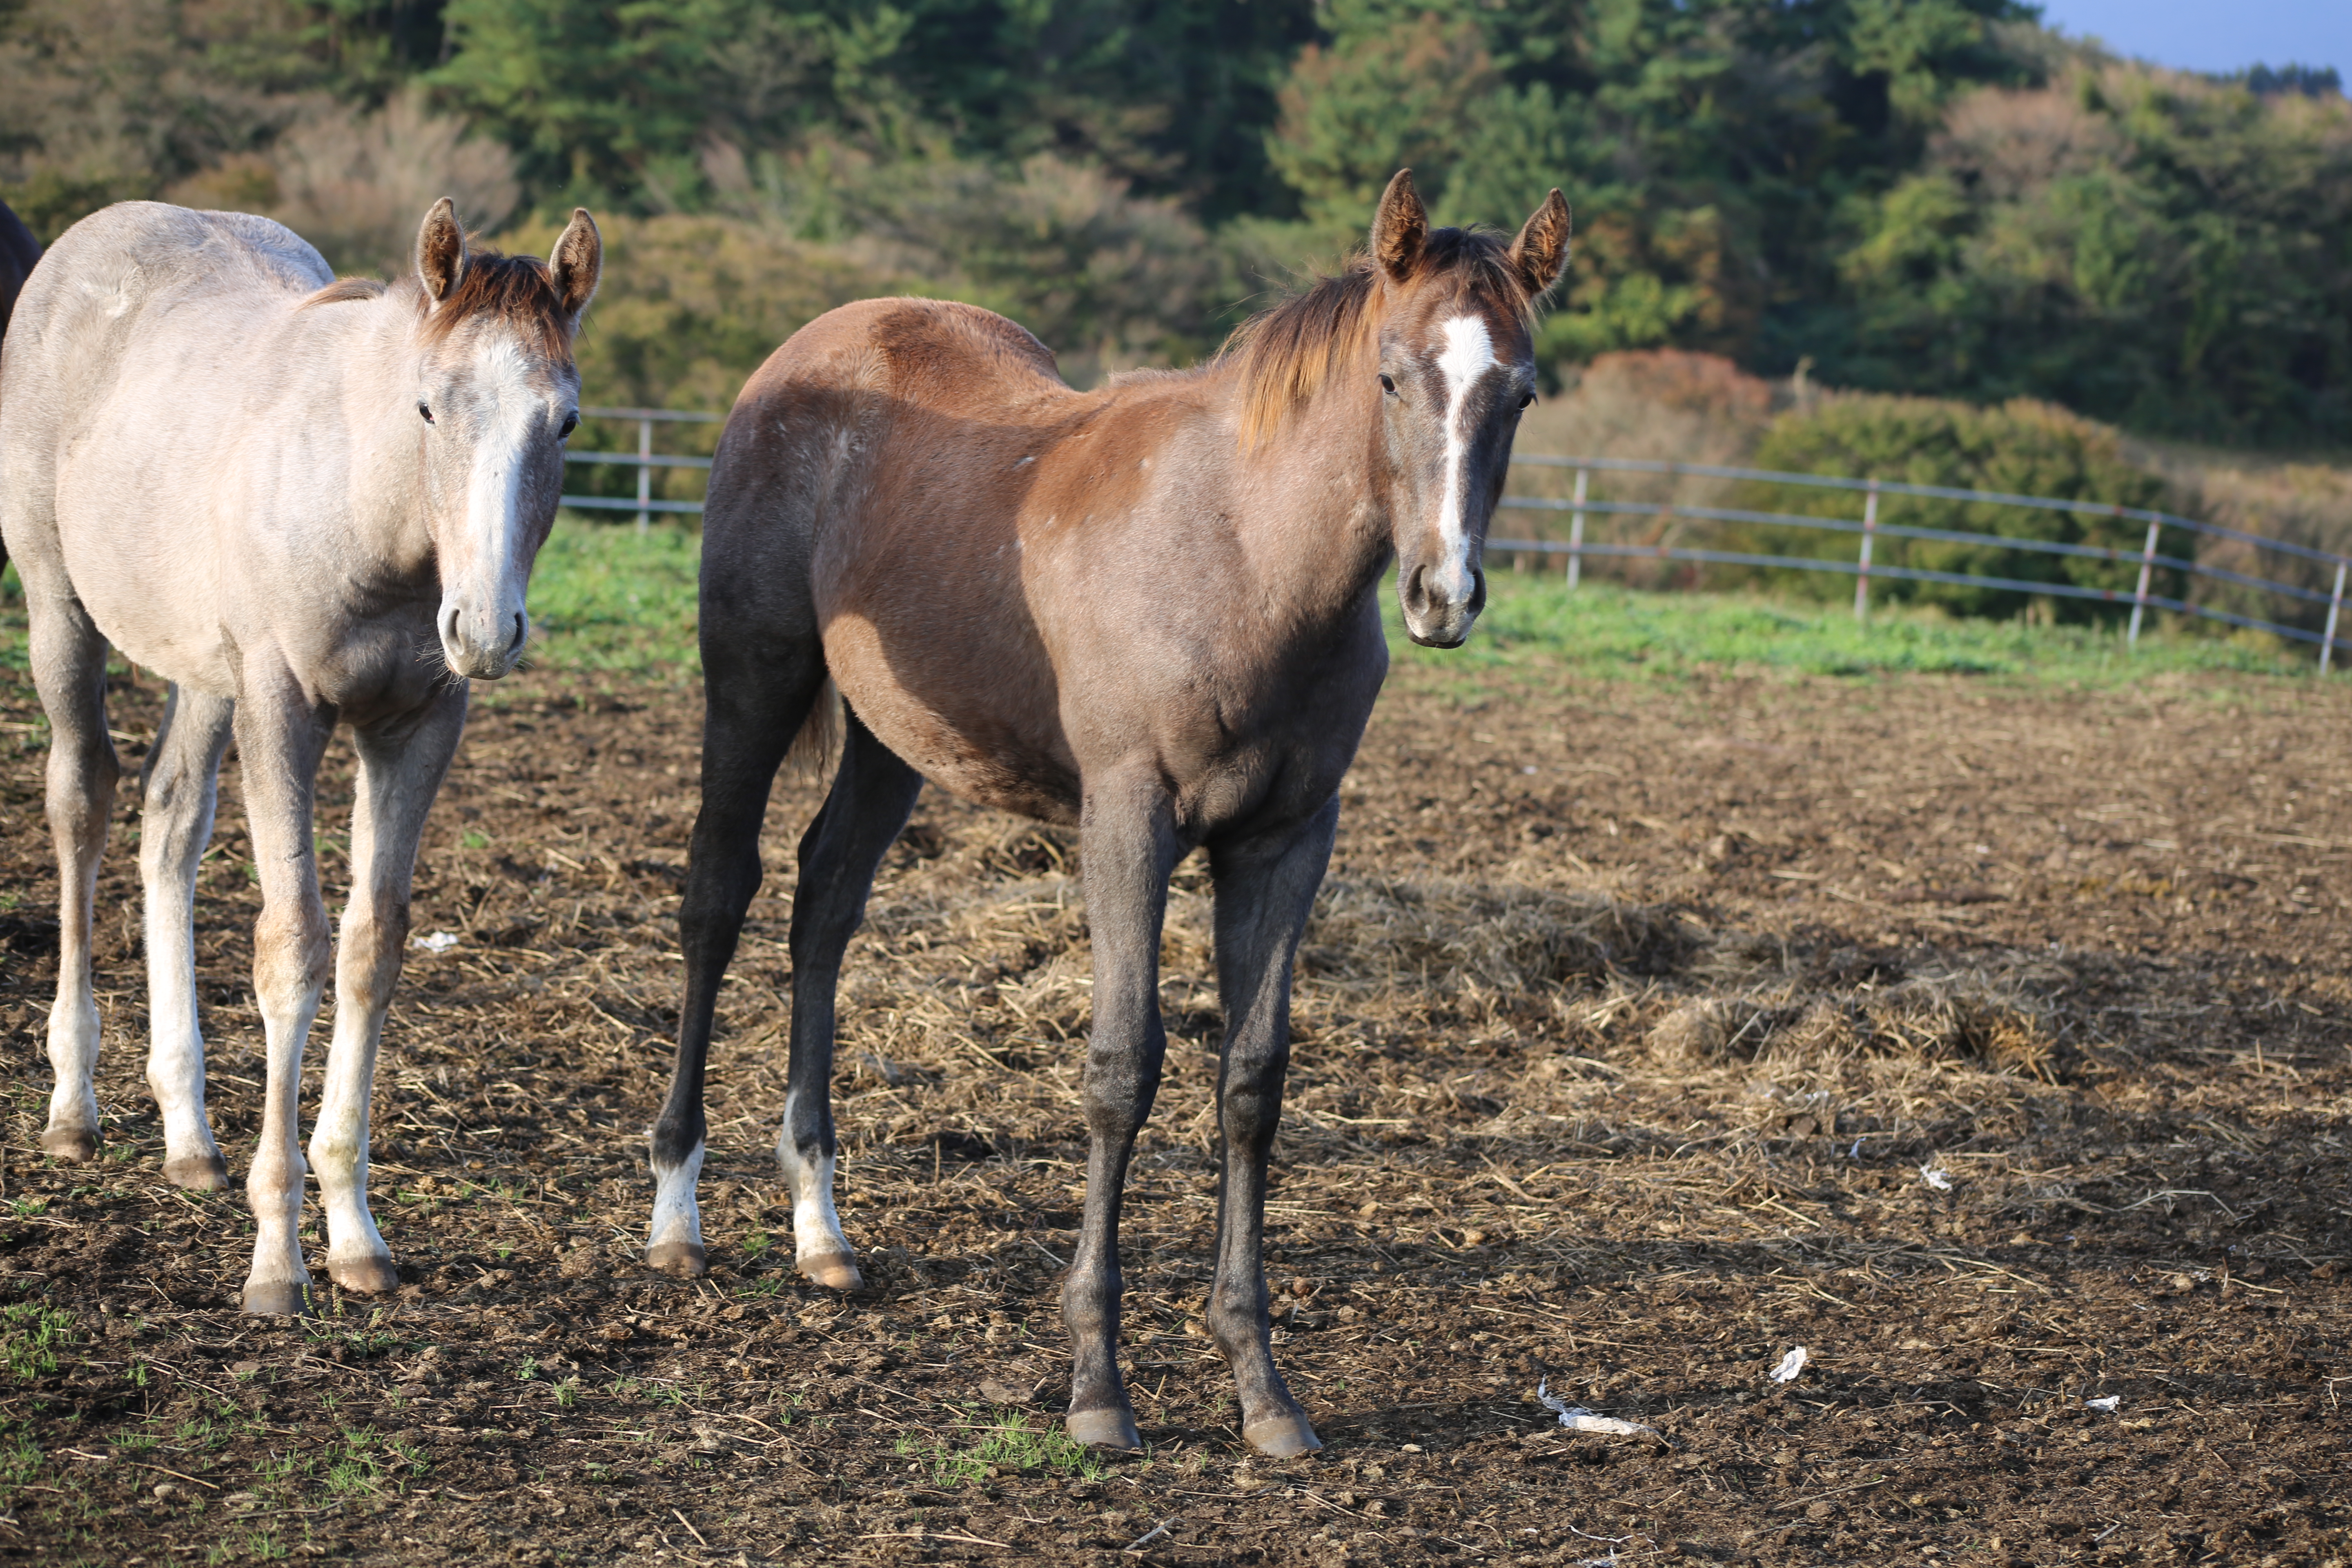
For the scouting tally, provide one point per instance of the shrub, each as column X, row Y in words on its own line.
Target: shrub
column 2020, row 448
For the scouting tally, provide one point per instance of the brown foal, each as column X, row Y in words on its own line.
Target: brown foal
column 1150, row 610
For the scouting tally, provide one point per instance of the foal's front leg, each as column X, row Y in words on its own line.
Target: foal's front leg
column 1265, row 889
column 1127, row 849
column 280, row 737
column 400, row 769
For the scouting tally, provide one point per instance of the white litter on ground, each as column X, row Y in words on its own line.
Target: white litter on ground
column 439, row 942
column 1790, row 1365
column 1941, row 1180
column 1577, row 1418
column 2109, row 1403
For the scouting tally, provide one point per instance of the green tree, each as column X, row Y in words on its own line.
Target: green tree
column 2159, row 250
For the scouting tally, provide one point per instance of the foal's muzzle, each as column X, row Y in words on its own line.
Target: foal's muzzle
column 1439, row 612
column 483, row 645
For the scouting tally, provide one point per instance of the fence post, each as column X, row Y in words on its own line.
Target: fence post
column 2334, row 603
column 1576, row 532
column 644, row 471
column 1862, row 579
column 2146, row 570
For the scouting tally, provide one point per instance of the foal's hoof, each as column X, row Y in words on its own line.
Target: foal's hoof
column 276, row 1299
column 1281, row 1437
column 681, row 1259
column 72, row 1144
column 1103, row 1429
column 198, row 1172
column 834, row 1270
column 364, row 1274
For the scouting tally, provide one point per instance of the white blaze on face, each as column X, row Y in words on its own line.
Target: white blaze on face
column 1468, row 355
column 487, row 591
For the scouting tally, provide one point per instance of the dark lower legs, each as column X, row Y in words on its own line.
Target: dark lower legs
column 750, row 728
column 872, row 795
column 1128, row 848
column 755, row 708
column 1265, row 889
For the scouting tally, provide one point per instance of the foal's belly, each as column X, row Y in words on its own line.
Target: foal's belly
column 975, row 726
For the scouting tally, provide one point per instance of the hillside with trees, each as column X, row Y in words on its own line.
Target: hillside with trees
column 1905, row 196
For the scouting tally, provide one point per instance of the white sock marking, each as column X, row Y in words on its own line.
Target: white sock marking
column 816, row 1229
column 675, row 1216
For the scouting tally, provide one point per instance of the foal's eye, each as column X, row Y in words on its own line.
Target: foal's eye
column 1387, row 385
column 570, row 422
column 421, row 408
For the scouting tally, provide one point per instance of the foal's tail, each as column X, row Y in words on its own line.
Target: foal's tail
column 816, row 748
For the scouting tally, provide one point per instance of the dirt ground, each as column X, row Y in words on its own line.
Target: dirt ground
column 1986, row 1042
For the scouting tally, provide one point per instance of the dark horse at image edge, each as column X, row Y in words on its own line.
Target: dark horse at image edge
column 1150, row 610
column 19, row 253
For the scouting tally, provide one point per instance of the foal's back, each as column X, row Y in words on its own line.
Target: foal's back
column 140, row 282
column 149, row 366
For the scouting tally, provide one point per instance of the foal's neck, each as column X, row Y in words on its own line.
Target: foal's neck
column 1313, row 491
column 374, row 349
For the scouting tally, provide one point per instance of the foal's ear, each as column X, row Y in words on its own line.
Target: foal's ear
column 1398, row 227
column 440, row 251
column 576, row 262
column 1540, row 252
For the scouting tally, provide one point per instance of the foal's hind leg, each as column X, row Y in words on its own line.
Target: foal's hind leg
column 181, row 788
column 1265, row 888
column 758, row 698
column 69, row 657
column 1127, row 849
column 872, row 795
column 400, row 773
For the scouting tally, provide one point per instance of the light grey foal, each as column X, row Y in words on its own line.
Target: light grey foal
column 305, row 503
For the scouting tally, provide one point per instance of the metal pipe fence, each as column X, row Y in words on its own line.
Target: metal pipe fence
column 1581, row 504
column 645, row 460
column 2147, row 558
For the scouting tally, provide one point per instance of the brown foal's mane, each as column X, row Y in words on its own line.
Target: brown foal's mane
column 1287, row 354
column 516, row 289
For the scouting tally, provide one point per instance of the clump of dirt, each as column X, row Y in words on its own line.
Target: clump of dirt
column 1379, row 937
column 1976, row 1014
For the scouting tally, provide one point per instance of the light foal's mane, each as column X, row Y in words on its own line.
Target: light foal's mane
column 515, row 289
column 1287, row 353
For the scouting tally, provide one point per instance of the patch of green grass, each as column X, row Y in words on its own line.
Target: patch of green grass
column 20, row 1460
column 605, row 598
column 365, row 1461
column 1011, row 1443
column 279, row 1467
column 1535, row 623
column 31, row 1336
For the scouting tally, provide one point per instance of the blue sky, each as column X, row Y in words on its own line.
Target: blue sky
column 2202, row 35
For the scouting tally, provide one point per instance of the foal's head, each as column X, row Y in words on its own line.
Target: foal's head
column 495, row 393
column 1444, row 320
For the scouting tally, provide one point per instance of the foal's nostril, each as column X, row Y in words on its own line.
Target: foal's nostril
column 523, row 630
